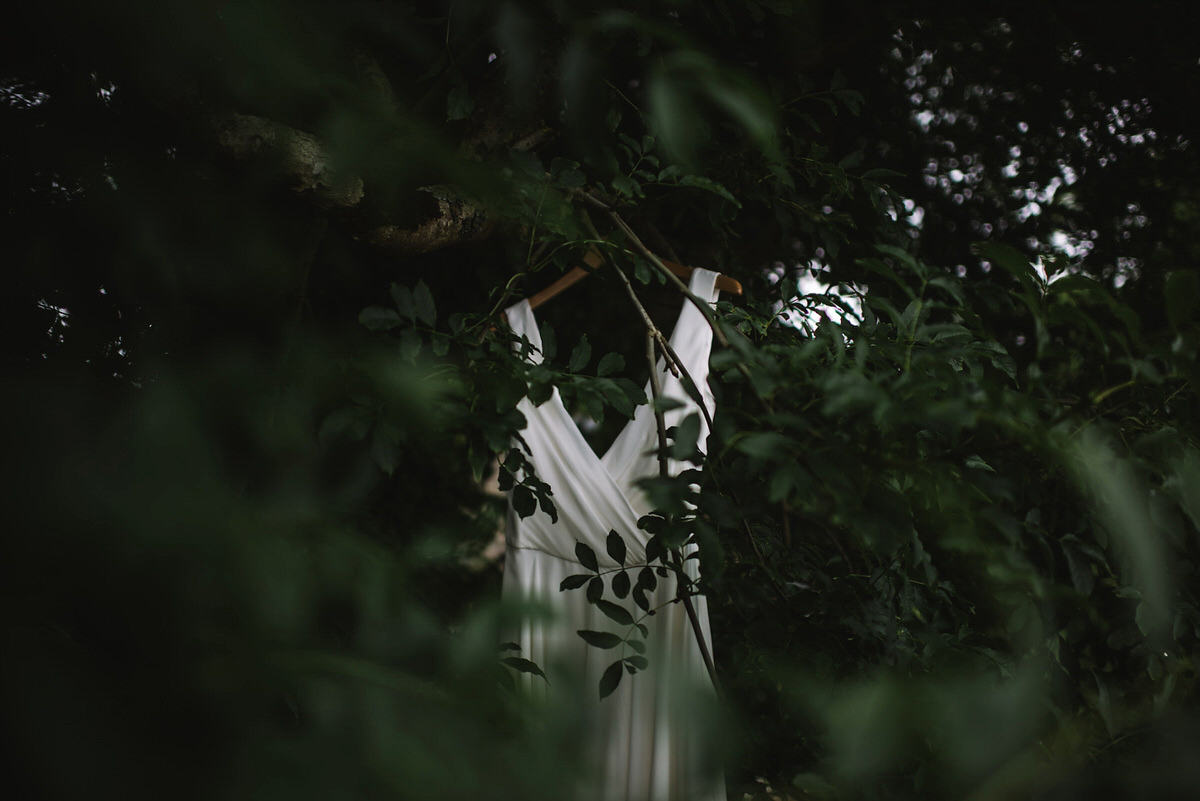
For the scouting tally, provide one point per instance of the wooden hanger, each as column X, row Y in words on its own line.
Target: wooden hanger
column 593, row 259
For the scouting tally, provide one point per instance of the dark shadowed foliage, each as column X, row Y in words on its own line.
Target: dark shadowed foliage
column 257, row 386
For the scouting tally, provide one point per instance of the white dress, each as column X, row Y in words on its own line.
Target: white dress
column 649, row 743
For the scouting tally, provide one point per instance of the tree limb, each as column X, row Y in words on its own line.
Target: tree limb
column 303, row 159
column 309, row 169
column 653, row 335
column 457, row 221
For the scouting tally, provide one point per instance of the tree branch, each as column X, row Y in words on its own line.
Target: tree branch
column 654, row 335
column 457, row 221
column 303, row 159
column 309, row 169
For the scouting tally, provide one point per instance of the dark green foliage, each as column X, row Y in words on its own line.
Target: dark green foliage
column 587, row 557
column 600, row 639
column 948, row 518
column 611, row 678
column 616, row 547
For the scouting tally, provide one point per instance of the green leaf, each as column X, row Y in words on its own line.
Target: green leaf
column 664, row 404
column 816, row 787
column 615, row 612
column 616, row 547
column 621, row 584
column 1118, row 493
column 352, row 422
column 709, row 185
column 1104, row 704
column 527, row 162
column 580, row 356
column 548, row 507
column 410, row 344
column 1077, row 283
column 523, row 665
column 549, row 340
column 672, row 113
column 570, row 179
column 403, row 298
column 459, row 103
column 639, row 662
column 385, row 454
column 651, row 523
column 611, row 678
column 765, row 445
column 642, row 271
column 1080, row 568
column 595, row 589
column 686, row 434
column 504, row 479
column 622, row 395
column 742, row 101
column 566, row 174
column 423, row 303
column 655, row 549
column 540, row 392
column 378, row 318
column 952, row 287
column 1011, row 261
column 574, row 582
column 881, row 268
column 787, row 477
column 647, row 579
column 881, row 174
column 600, row 639
column 976, row 462
column 625, row 186
column 610, row 363
column 523, row 501
column 637, row 645
column 586, row 556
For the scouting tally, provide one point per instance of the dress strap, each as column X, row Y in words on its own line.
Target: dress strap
column 522, row 322
column 692, row 340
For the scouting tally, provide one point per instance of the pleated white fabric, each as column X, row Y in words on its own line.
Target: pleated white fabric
column 647, row 744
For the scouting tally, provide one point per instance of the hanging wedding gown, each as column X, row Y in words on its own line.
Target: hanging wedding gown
column 649, row 742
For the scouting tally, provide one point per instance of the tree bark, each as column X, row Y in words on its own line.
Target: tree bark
column 456, row 222
column 303, row 159
column 309, row 170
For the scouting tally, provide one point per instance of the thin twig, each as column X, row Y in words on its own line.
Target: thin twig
column 659, row 419
column 664, row 471
column 670, row 357
column 651, row 329
column 689, row 384
column 705, row 654
column 703, row 307
column 709, row 317
column 672, row 362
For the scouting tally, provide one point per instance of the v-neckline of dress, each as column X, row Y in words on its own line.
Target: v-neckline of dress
column 600, row 459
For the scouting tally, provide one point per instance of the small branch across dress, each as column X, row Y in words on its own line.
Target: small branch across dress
column 646, row 741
